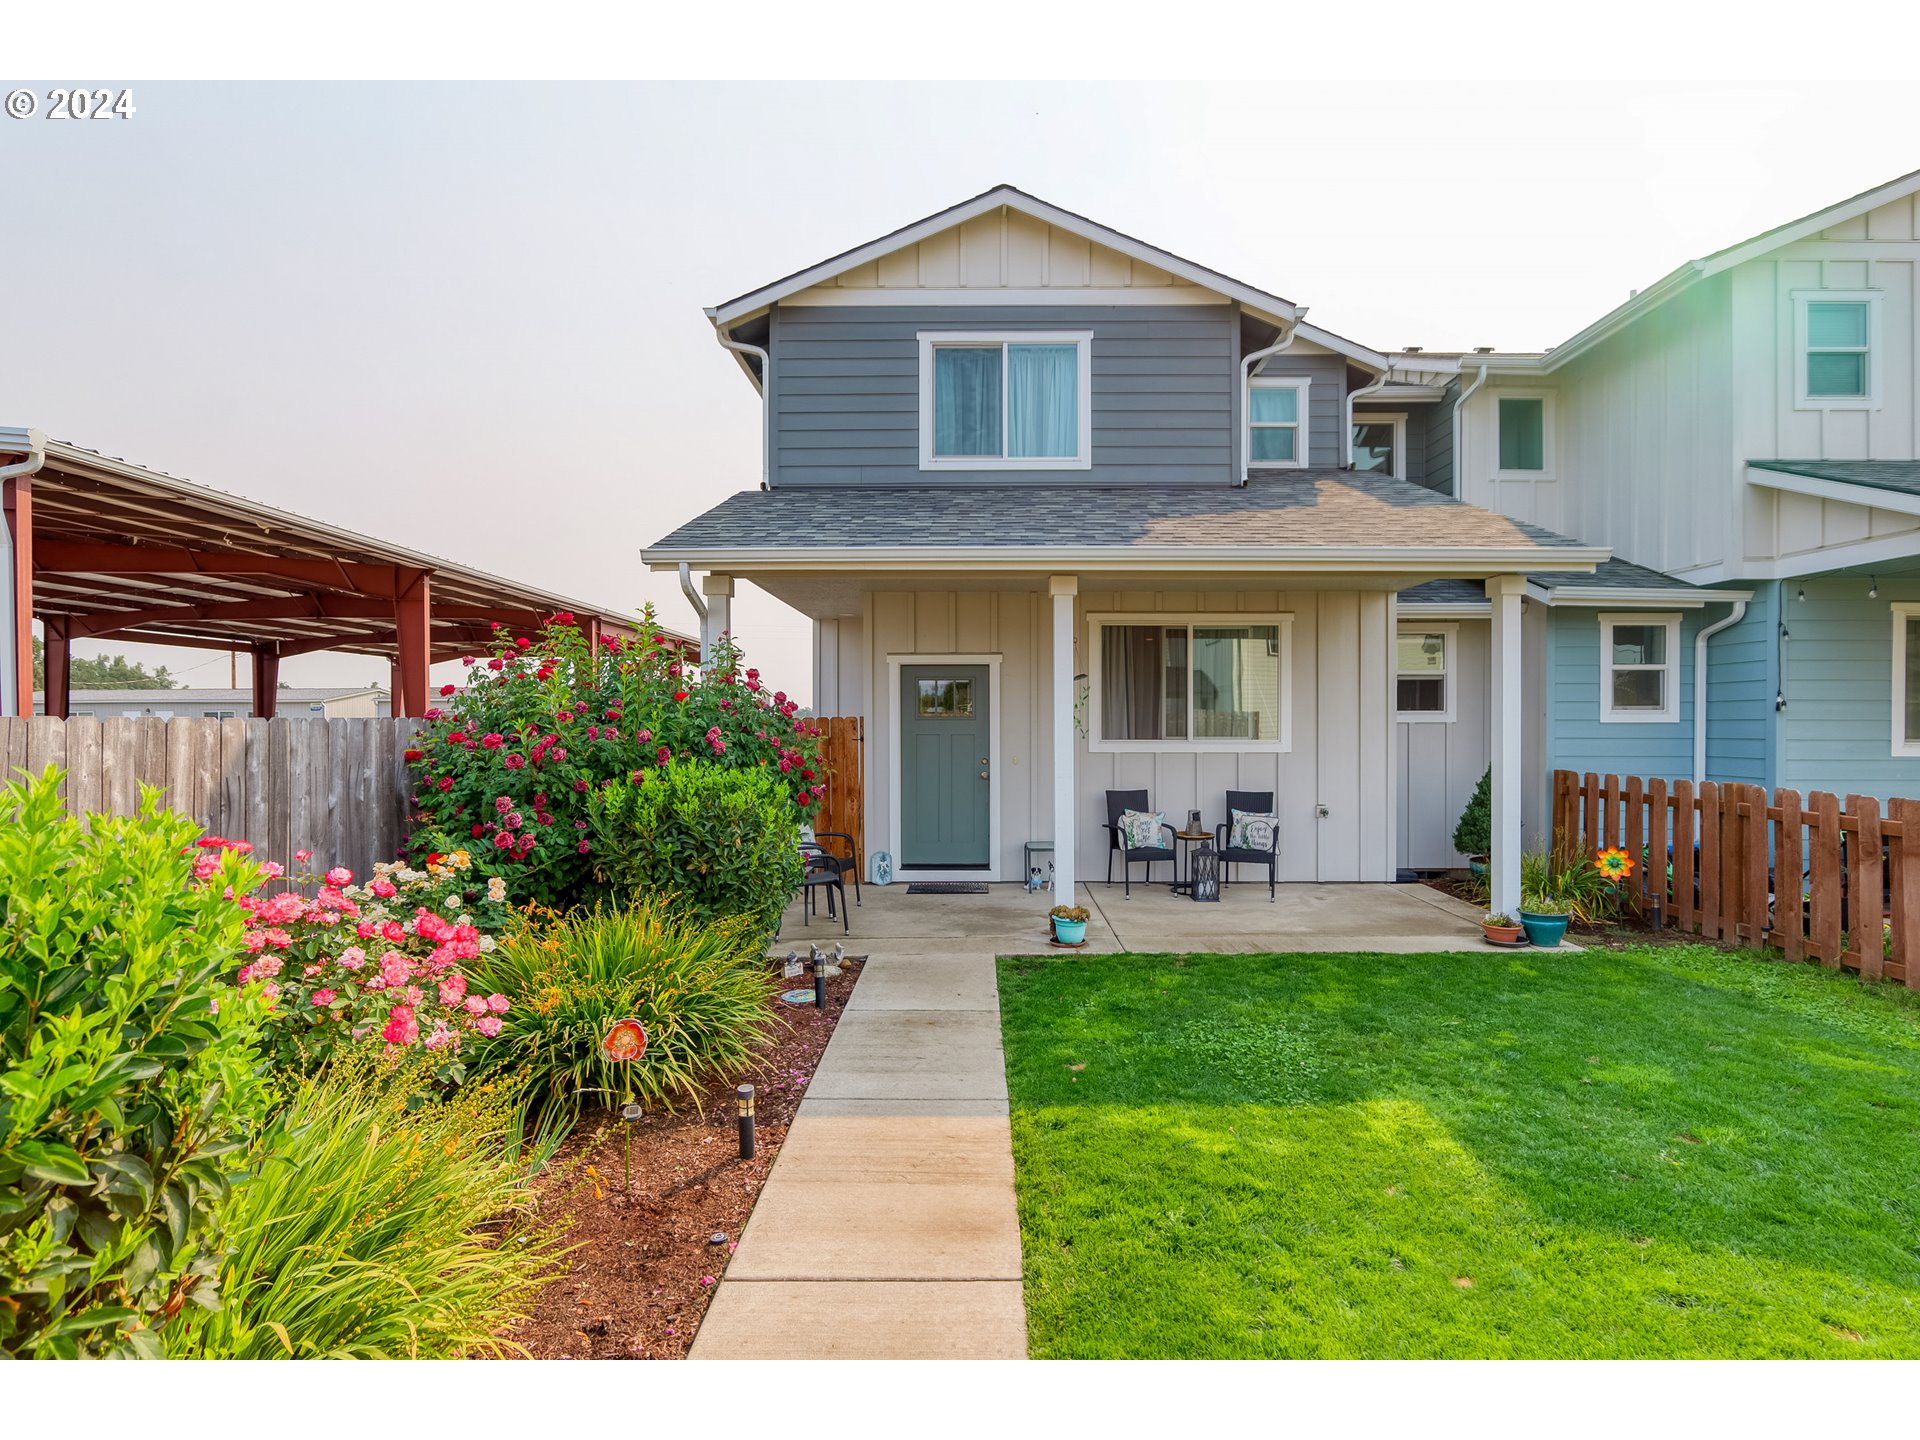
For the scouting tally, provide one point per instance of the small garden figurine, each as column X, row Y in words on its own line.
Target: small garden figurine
column 1069, row 924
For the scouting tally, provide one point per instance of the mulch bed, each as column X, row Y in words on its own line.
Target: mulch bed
column 644, row 1264
column 1621, row 934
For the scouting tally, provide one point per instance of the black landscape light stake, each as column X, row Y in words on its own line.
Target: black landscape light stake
column 743, row 1103
column 819, row 980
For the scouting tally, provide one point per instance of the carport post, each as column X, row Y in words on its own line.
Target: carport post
column 1063, row 589
column 1503, row 857
column 413, row 622
column 265, row 670
column 59, row 664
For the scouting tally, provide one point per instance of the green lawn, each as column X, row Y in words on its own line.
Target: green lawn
column 1652, row 1152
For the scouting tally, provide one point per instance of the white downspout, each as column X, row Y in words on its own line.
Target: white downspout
column 1246, row 388
column 34, row 443
column 1459, row 448
column 1700, row 687
column 693, row 596
column 1346, row 444
column 766, row 419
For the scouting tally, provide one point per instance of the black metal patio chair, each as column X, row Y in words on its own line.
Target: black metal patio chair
column 1118, row 803
column 1253, row 802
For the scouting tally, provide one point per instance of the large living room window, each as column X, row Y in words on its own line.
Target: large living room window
column 1018, row 400
column 1180, row 682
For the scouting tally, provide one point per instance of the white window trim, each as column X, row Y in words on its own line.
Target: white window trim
column 987, row 338
column 1902, row 612
column 1450, row 643
column 1546, row 470
column 1399, row 423
column 1669, row 712
column 1876, row 351
column 1220, row 745
column 1302, row 440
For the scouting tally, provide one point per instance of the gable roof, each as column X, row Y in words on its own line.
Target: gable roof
column 1684, row 277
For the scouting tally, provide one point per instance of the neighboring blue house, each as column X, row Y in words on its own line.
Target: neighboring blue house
column 1073, row 514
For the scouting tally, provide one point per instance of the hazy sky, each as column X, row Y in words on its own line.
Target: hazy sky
column 467, row 318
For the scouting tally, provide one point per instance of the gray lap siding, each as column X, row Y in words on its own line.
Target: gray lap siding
column 846, row 388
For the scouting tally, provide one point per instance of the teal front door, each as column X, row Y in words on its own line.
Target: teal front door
column 946, row 787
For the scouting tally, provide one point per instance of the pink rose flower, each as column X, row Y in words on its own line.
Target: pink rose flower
column 476, row 1005
column 499, row 1004
column 323, row 997
column 488, row 1025
column 339, row 876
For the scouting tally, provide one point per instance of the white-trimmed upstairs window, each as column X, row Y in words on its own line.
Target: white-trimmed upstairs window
column 1525, row 435
column 1906, row 679
column 1424, row 672
column 1380, row 443
column 1008, row 400
column 1837, row 342
column 1277, row 421
column 1191, row 682
column 1640, row 668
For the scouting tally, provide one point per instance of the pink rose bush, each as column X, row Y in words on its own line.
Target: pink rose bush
column 382, row 962
column 509, row 768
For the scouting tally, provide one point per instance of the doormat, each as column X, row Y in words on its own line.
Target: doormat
column 946, row 887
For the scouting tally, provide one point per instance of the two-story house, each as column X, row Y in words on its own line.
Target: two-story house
column 1073, row 514
column 1745, row 432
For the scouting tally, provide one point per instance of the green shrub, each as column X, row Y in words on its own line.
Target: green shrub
column 129, row 1070
column 1579, row 890
column 1474, row 834
column 724, row 844
column 378, row 1226
column 701, row 991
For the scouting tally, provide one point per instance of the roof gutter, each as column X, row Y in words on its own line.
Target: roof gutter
column 1346, row 444
column 765, row 387
column 30, row 443
column 1459, row 449
column 1700, row 686
column 1246, row 387
column 1432, row 562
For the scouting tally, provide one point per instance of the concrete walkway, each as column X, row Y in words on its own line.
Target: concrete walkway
column 887, row 1229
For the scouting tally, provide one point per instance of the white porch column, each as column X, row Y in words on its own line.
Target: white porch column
column 1063, row 589
column 1503, row 858
column 719, row 592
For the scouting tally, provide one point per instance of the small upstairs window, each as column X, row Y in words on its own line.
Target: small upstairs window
column 1007, row 401
column 1380, row 444
column 1523, row 434
column 1835, row 366
column 1277, row 421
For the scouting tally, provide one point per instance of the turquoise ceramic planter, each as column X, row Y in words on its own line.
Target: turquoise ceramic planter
column 1546, row 931
column 1069, row 932
column 1478, row 868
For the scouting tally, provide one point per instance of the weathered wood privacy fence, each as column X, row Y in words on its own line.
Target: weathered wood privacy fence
column 336, row 787
column 1811, row 877
column 843, row 807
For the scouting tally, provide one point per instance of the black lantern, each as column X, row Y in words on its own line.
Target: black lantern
column 1203, row 873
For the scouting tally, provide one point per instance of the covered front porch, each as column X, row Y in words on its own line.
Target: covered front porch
column 1008, row 920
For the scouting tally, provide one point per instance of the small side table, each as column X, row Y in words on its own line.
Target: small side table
column 1184, row 841
column 1031, row 878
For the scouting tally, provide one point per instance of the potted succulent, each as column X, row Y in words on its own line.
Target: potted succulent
column 1501, row 929
column 1544, row 917
column 1069, row 924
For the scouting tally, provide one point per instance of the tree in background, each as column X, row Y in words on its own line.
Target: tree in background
column 102, row 672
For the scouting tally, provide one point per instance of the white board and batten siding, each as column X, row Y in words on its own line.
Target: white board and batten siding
column 1341, row 757
column 1439, row 762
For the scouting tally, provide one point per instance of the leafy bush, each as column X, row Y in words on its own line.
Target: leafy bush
column 723, row 844
column 1582, row 892
column 543, row 724
column 378, row 962
column 701, row 991
column 1474, row 834
column 375, row 1227
column 128, row 1072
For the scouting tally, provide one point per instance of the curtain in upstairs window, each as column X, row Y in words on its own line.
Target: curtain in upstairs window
column 1043, row 400
column 966, row 400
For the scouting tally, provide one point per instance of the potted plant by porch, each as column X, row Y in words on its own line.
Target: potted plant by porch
column 1473, row 836
column 1501, row 929
column 1069, row 924
column 1544, row 917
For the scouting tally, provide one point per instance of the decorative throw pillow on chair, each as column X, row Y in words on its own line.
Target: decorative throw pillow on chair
column 1140, row 829
column 1251, row 831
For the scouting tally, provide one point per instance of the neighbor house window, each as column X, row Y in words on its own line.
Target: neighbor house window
column 1423, row 672
column 1008, row 401
column 1906, row 679
column 1640, row 668
column 1523, row 434
column 1837, row 332
column 1191, row 682
column 1277, row 421
column 1380, row 444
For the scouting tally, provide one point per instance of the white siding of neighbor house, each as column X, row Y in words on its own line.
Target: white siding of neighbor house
column 1877, row 251
column 1342, row 753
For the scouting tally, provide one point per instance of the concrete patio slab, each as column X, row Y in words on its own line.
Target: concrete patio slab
column 913, row 1055
column 865, row 1320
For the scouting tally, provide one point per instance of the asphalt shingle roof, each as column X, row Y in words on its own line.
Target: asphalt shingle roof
column 1334, row 508
column 1445, row 592
column 1900, row 475
column 1621, row 575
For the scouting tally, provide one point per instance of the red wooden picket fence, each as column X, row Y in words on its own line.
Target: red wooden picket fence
column 1811, row 877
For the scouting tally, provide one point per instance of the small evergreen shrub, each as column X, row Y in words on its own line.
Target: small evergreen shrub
column 1474, row 834
column 718, row 844
column 130, row 1072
